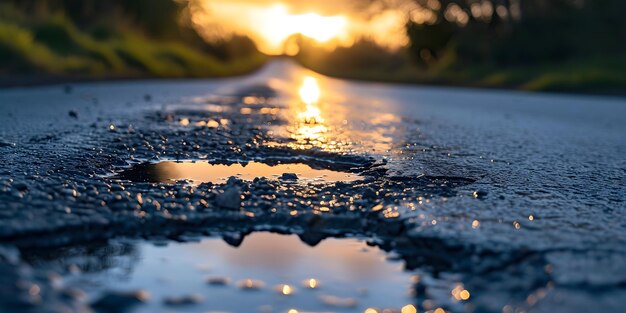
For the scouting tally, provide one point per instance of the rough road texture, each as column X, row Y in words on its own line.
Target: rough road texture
column 519, row 198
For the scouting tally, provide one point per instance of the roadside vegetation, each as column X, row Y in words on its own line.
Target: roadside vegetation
column 112, row 39
column 558, row 45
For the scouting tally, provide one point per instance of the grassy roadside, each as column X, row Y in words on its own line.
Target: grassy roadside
column 595, row 75
column 52, row 47
column 602, row 75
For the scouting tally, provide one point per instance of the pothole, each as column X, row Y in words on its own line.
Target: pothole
column 266, row 273
column 203, row 172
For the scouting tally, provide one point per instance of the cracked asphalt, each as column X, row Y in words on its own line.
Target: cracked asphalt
column 521, row 197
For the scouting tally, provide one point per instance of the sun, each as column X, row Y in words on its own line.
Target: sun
column 276, row 24
column 320, row 28
column 272, row 24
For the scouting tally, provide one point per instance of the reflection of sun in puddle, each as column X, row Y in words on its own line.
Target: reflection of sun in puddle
column 310, row 130
column 199, row 172
column 325, row 120
column 310, row 91
column 310, row 96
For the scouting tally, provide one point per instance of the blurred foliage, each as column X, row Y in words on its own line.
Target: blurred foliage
column 114, row 38
column 520, row 32
column 564, row 45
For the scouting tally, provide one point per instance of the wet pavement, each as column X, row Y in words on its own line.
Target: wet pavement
column 491, row 201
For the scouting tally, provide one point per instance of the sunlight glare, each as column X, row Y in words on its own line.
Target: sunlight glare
column 271, row 24
column 310, row 91
column 310, row 129
column 277, row 24
column 310, row 95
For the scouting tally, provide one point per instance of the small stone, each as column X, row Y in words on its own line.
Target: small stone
column 218, row 281
column 289, row 176
column 479, row 194
column 115, row 301
column 232, row 180
column 312, row 238
column 183, row 300
column 117, row 187
column 6, row 144
column 17, row 194
column 251, row 284
column 234, row 239
column 73, row 114
column 21, row 186
column 369, row 193
column 230, row 198
column 70, row 192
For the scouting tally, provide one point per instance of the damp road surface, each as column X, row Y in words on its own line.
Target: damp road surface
column 287, row 191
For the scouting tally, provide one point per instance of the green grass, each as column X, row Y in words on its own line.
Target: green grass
column 53, row 45
column 20, row 52
column 605, row 75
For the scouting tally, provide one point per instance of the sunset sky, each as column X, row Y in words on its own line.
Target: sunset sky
column 329, row 22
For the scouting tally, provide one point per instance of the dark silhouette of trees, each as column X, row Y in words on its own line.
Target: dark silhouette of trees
column 510, row 32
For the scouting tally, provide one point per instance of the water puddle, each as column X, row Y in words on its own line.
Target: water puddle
column 266, row 273
column 200, row 172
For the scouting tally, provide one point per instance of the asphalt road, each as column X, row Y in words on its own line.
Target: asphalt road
column 520, row 196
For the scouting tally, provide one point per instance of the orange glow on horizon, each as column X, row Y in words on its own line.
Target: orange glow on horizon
column 280, row 24
column 271, row 24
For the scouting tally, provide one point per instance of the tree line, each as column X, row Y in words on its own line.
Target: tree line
column 516, row 32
